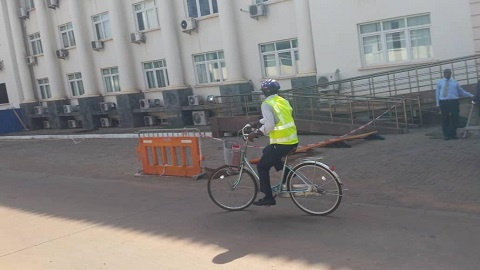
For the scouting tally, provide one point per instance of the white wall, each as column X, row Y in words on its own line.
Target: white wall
column 9, row 72
column 334, row 27
column 336, row 34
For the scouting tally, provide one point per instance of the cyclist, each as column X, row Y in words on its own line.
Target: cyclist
column 278, row 124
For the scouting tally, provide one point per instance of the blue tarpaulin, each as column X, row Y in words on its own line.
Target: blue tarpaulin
column 9, row 121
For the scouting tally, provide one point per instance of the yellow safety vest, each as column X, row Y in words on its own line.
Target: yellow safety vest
column 285, row 131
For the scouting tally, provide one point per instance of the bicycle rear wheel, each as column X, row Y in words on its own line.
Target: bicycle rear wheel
column 230, row 190
column 314, row 188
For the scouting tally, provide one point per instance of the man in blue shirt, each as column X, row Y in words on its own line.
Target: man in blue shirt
column 448, row 92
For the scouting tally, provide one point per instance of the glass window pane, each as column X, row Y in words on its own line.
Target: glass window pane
column 211, row 56
column 286, row 63
column 65, row 40
column 199, row 58
column 297, row 61
column 270, row 65
column 421, row 44
column 372, row 50
column 40, row 48
column 116, row 83
column 78, row 75
column 71, row 77
column 224, row 70
column 156, row 64
column 161, row 79
column 267, row 47
column 71, row 36
column 204, row 7
column 114, row 70
column 108, row 84
column 140, row 21
column 105, row 16
column 81, row 91
column 49, row 93
column 192, row 8
column 73, row 87
column 283, row 45
column 98, row 31
column 221, row 55
column 105, row 71
column 396, row 47
column 107, row 30
column 294, row 43
column 419, row 20
column 148, row 65
column 152, row 18
column 138, row 7
column 96, row 18
column 394, row 24
column 370, row 28
column 202, row 73
column 215, row 6
column 214, row 71
column 151, row 79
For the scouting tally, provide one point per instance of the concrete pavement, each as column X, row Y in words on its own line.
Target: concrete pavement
column 412, row 204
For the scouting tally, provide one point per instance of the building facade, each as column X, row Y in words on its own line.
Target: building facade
column 85, row 52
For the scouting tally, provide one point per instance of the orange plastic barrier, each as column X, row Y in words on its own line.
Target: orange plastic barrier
column 173, row 156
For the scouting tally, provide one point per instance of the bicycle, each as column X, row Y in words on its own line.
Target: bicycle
column 312, row 185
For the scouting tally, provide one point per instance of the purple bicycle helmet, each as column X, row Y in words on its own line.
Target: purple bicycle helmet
column 270, row 86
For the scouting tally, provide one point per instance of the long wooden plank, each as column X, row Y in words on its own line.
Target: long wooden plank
column 324, row 143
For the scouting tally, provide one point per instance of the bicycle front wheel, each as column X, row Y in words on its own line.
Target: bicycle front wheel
column 231, row 190
column 314, row 188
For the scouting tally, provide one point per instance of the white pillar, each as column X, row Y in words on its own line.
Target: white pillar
column 229, row 34
column 170, row 30
column 83, row 48
column 305, row 38
column 25, row 80
column 121, row 38
column 49, row 48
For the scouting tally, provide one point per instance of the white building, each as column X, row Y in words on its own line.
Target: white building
column 83, row 52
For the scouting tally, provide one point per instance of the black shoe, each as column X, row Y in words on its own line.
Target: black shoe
column 265, row 202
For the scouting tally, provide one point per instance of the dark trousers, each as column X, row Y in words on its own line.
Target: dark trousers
column 450, row 117
column 272, row 157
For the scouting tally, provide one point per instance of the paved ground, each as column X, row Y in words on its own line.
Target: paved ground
column 412, row 204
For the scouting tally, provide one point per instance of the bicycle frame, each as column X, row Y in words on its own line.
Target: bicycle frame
column 278, row 188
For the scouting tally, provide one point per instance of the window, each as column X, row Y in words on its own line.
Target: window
column 199, row 8
column 29, row 5
column 280, row 58
column 76, row 84
column 67, row 35
column 44, row 88
column 3, row 94
column 101, row 25
column 111, row 79
column 260, row 1
column 36, row 44
column 156, row 74
column 210, row 67
column 396, row 40
column 146, row 15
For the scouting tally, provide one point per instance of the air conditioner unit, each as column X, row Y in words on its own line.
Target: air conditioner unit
column 97, row 45
column 257, row 10
column 106, row 122
column 149, row 103
column 150, row 121
column 200, row 118
column 326, row 81
column 193, row 100
column 31, row 60
column 188, row 24
column 46, row 124
column 73, row 124
column 62, row 53
column 107, row 106
column 40, row 110
column 138, row 37
column 22, row 13
column 53, row 4
column 70, row 108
